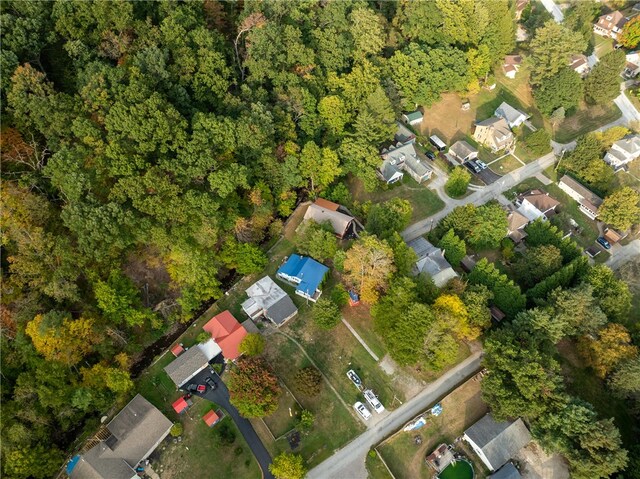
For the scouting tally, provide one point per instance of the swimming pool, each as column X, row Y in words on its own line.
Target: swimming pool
column 461, row 469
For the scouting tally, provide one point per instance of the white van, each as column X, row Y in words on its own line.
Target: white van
column 362, row 410
column 437, row 143
column 373, row 401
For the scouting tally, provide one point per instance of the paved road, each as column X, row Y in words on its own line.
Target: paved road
column 492, row 191
column 554, row 10
column 348, row 462
column 221, row 397
column 629, row 111
column 623, row 254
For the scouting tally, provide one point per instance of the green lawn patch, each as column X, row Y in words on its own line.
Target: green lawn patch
column 375, row 467
column 525, row 154
column 526, row 185
column 505, row 165
column 623, row 178
column 359, row 317
column 602, row 45
column 586, row 119
column 423, row 201
column 286, row 416
column 570, row 209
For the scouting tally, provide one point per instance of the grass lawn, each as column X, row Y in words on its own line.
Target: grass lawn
column 602, row 45
column 505, row 165
column 460, row 409
column 570, row 209
column 525, row 154
column 359, row 317
column 586, row 119
column 201, row 445
column 623, row 178
column 632, row 95
column 375, row 467
column 334, row 425
column 423, row 201
column 528, row 184
column 286, row 416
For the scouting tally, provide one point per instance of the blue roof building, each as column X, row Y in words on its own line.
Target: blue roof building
column 305, row 273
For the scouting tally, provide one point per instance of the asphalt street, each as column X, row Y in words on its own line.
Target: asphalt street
column 220, row 396
column 348, row 462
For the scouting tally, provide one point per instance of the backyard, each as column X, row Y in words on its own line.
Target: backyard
column 585, row 119
column 460, row 409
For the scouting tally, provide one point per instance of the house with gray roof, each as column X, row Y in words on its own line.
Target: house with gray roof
column 497, row 442
column 400, row 158
column 463, row 151
column 404, row 135
column 494, row 133
column 267, row 299
column 508, row 471
column 511, row 115
column 431, row 261
column 323, row 211
column 134, row 434
column 191, row 362
column 623, row 151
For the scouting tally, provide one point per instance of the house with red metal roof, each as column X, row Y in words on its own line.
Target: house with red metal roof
column 227, row 332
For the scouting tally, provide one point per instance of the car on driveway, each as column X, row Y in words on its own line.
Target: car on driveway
column 212, row 384
column 373, row 401
column 431, row 156
column 192, row 388
column 202, row 388
column 362, row 410
column 355, row 379
column 473, row 166
column 481, row 164
column 604, row 243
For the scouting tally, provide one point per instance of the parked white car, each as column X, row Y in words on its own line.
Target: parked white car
column 373, row 401
column 362, row 410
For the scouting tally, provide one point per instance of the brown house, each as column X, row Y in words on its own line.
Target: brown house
column 610, row 24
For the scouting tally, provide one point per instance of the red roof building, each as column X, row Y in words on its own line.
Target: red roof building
column 180, row 405
column 177, row 350
column 227, row 332
column 210, row 418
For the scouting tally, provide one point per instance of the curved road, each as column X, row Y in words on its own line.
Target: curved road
column 221, row 397
column 348, row 462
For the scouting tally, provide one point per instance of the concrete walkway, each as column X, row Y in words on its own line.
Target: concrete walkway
column 360, row 340
column 348, row 462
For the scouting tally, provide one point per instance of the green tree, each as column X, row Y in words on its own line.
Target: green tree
column 288, row 466
column 476, row 300
column 551, row 47
column 538, row 263
column 317, row 240
column 176, row 429
column 308, row 381
column 253, row 388
column 538, row 142
column 621, row 209
column 577, row 309
column 404, row 257
column 562, row 90
column 612, row 294
column 252, row 344
column 245, row 258
column 405, row 338
column 319, row 165
column 603, row 83
column 367, row 32
column 456, row 185
column 326, row 314
column 625, row 380
column 454, row 248
column 305, row 423
column 630, row 35
column 119, row 301
column 384, row 219
column 38, row 462
column 580, row 18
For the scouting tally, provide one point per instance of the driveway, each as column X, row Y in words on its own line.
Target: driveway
column 221, row 397
column 488, row 176
column 348, row 462
column 623, row 254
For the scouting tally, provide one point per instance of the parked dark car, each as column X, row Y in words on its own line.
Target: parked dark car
column 473, row 166
column 212, row 384
column 604, row 243
column 192, row 388
column 431, row 156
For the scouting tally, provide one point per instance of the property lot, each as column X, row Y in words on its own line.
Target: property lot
column 586, row 119
column 460, row 409
column 506, row 165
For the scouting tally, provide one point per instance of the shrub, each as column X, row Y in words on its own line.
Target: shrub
column 176, row 429
column 538, row 142
column 457, row 183
column 252, row 344
column 308, row 381
column 326, row 314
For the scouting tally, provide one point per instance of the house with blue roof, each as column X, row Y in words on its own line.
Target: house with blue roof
column 305, row 273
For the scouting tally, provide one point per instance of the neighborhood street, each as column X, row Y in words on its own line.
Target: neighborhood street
column 492, row 191
column 349, row 462
column 623, row 254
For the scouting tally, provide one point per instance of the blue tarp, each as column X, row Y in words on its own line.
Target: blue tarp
column 354, row 296
column 309, row 271
column 72, row 463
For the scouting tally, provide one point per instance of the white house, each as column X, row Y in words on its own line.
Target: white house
column 623, row 151
column 463, row 151
column 497, row 442
column 579, row 64
column 588, row 201
column 512, row 116
column 610, row 24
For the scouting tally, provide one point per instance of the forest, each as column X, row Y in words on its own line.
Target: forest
column 149, row 150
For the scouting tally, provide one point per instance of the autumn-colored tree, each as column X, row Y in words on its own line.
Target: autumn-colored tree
column 308, row 380
column 621, row 209
column 368, row 267
column 630, row 36
column 36, row 462
column 59, row 338
column 253, row 387
column 611, row 346
column 101, row 376
column 288, row 466
column 452, row 315
column 252, row 344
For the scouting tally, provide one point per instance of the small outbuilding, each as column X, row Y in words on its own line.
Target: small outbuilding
column 211, row 418
column 413, row 117
column 181, row 405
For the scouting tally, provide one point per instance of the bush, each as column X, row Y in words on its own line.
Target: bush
column 454, row 248
column 253, row 387
column 252, row 344
column 507, row 295
column 458, row 181
column 203, row 337
column 326, row 314
column 538, row 142
column 340, row 296
column 226, row 434
column 306, row 420
column 308, row 381
column 176, row 429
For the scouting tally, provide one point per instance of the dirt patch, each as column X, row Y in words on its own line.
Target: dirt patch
column 404, row 382
column 536, row 464
column 447, row 119
column 145, row 268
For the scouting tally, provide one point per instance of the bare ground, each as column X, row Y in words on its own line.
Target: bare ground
column 536, row 464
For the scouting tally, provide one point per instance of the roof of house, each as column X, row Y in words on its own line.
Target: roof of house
column 541, row 200
column 339, row 221
column 509, row 113
column 462, row 149
column 429, row 258
column 180, row 405
column 577, row 61
column 414, row 115
column 508, row 471
column 135, row 430
column 227, row 332
column 513, row 60
column 177, row 350
column 629, row 144
column 610, row 20
column 509, row 68
column 186, row 365
column 497, row 313
column 516, row 220
column 210, row 418
column 326, row 204
column 591, row 200
column 419, row 167
column 265, row 295
column 499, row 128
column 403, row 134
column 309, row 271
column 468, row 263
column 499, row 441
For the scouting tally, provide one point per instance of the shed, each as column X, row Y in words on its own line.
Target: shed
column 180, row 405
column 496, row 313
column 177, row 350
column 211, row 418
column 413, row 117
column 593, row 251
column 467, row 264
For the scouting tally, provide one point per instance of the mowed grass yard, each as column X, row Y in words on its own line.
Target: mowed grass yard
column 585, row 119
column 506, row 165
column 460, row 409
column 423, row 201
